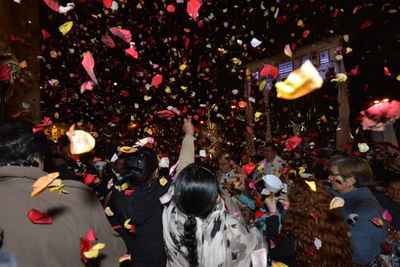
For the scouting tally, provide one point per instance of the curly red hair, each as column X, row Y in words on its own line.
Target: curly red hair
column 309, row 217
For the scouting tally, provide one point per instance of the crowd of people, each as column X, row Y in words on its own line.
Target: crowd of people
column 134, row 210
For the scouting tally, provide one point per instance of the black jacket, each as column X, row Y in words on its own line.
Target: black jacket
column 143, row 207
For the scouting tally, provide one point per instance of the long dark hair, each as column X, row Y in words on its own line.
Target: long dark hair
column 140, row 166
column 196, row 191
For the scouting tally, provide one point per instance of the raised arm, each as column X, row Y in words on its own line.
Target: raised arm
column 186, row 156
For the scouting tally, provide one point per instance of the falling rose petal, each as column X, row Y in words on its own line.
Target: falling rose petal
column 352, row 217
column 255, row 42
column 363, row 147
column 91, row 235
column 317, row 243
column 387, row 216
column 94, row 251
column 45, row 34
column 336, row 202
column 163, row 181
column 157, row 80
column 121, row 33
column 386, row 71
column 53, row 4
column 376, row 117
column 312, row 185
column 5, row 73
column 192, row 8
column 258, row 214
column 43, row 182
column 270, row 71
column 300, row 82
column 288, row 51
column 65, row 9
column 293, row 142
column 81, row 141
column 132, row 51
column 125, row 257
column 278, row 264
column 171, row 8
column 306, row 33
column 66, row 27
column 107, row 3
column 377, row 221
column 86, row 86
column 39, row 217
column 88, row 65
column 89, row 179
column 248, row 168
column 129, row 192
column 108, row 41
column 366, row 24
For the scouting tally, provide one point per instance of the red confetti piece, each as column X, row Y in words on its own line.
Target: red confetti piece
column 129, row 192
column 107, row 3
column 366, row 24
column 248, row 168
column 39, row 217
column 293, row 142
column 91, row 235
column 89, row 179
column 192, row 8
column 157, row 80
column 259, row 214
column 309, row 252
column 306, row 33
column 270, row 71
column 5, row 73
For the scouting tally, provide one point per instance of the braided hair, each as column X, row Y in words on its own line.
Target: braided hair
column 196, row 191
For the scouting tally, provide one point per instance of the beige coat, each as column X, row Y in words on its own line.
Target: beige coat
column 73, row 214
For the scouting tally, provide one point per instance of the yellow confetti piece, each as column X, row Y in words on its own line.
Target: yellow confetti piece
column 398, row 78
column 94, row 251
column 66, row 27
column 182, row 67
column 125, row 257
column 301, row 170
column 346, row 38
column 288, row 51
column 300, row 23
column 312, row 185
column 336, row 202
column 340, row 77
column 163, row 181
column 146, row 98
column 363, row 147
column 278, row 264
column 300, row 82
column 168, row 90
column 55, row 188
column 262, row 85
column 124, row 186
column 127, row 224
column 108, row 211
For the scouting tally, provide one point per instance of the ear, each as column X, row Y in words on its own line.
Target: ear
column 351, row 181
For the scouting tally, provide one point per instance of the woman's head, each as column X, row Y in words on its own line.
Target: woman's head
column 140, row 167
column 309, row 218
column 196, row 191
column 347, row 173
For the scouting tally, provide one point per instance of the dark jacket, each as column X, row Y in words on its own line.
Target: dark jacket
column 366, row 237
column 392, row 207
column 284, row 247
column 73, row 215
column 143, row 207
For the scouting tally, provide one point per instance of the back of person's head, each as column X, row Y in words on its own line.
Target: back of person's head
column 308, row 218
column 19, row 145
column 272, row 146
column 140, row 166
column 353, row 167
column 196, row 192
